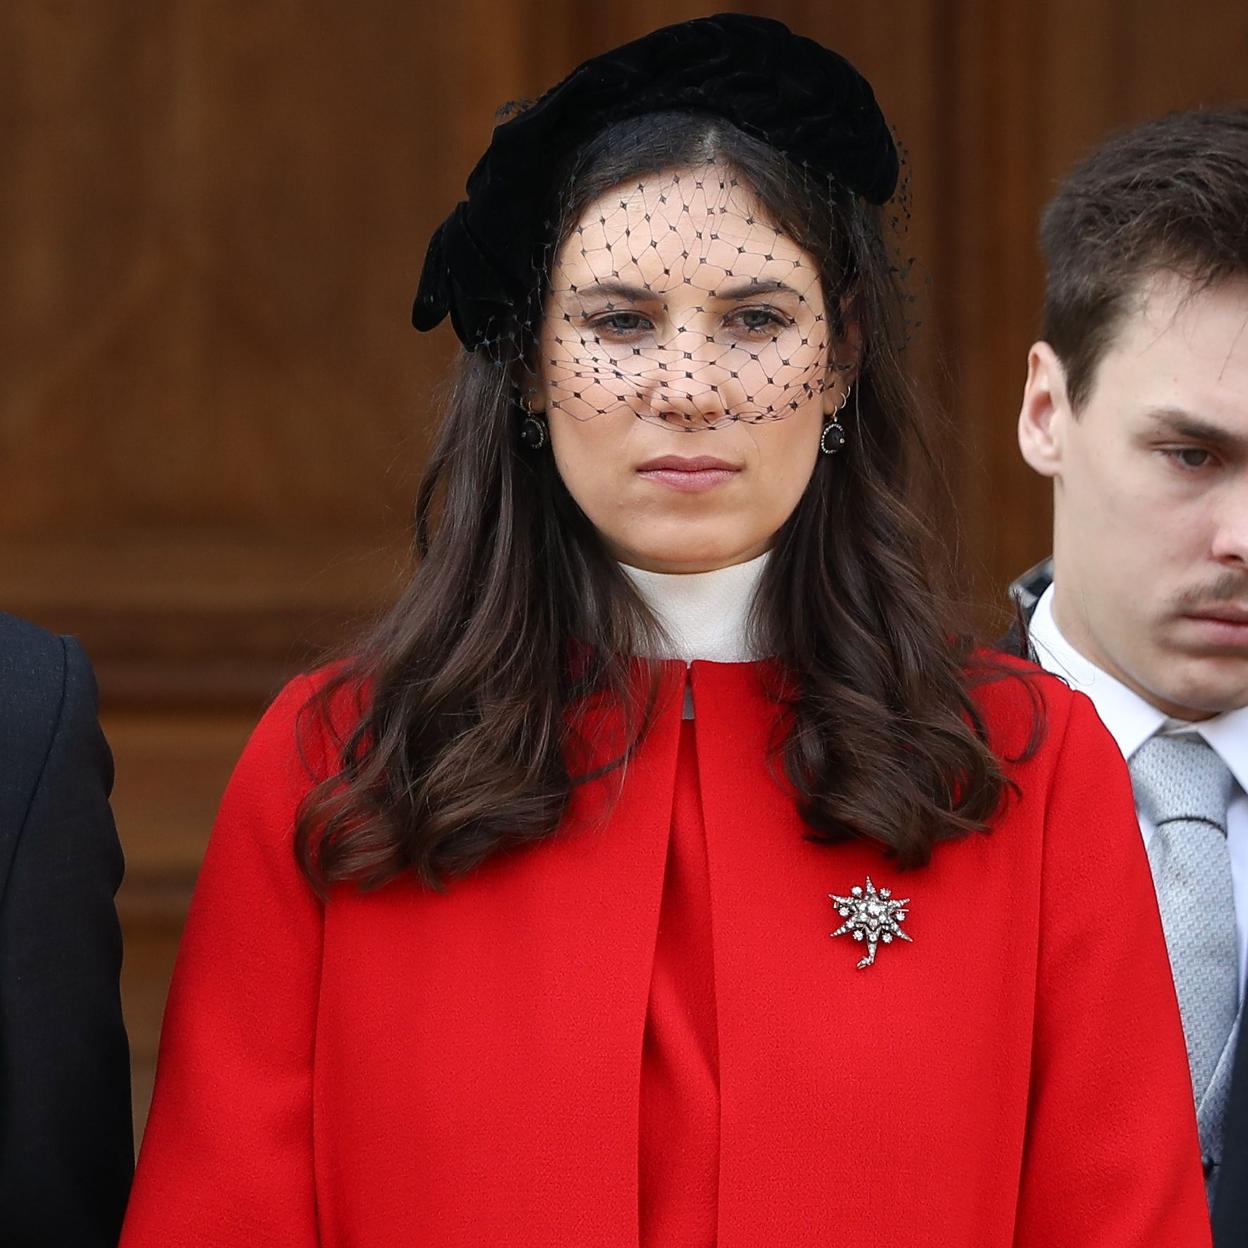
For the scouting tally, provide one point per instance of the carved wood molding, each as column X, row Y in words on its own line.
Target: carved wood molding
column 202, row 622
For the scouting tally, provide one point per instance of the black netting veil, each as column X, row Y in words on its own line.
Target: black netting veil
column 672, row 231
column 676, row 297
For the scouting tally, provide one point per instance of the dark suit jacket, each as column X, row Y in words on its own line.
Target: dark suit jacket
column 1230, row 1209
column 66, row 1140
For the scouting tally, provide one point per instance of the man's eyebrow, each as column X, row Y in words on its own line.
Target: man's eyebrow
column 746, row 288
column 1180, row 423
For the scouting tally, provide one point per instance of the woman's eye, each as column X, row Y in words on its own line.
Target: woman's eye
column 759, row 321
column 1190, row 456
column 620, row 324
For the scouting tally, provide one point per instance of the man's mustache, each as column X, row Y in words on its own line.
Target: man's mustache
column 1229, row 587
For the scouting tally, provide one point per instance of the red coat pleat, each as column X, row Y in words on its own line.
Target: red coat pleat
column 678, row 1149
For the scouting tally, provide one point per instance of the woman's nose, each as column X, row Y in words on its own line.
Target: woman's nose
column 686, row 401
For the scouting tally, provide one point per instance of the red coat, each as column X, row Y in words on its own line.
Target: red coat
column 415, row 1068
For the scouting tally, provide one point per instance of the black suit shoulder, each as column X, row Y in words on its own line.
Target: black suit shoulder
column 66, row 1144
column 33, row 670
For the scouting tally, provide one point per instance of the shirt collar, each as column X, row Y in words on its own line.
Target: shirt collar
column 705, row 615
column 1130, row 719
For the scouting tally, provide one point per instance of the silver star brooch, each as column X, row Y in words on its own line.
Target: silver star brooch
column 871, row 916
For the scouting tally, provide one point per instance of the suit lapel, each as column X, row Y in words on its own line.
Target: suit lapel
column 1024, row 593
column 32, row 680
column 1028, row 588
column 1211, row 1112
column 1230, row 1206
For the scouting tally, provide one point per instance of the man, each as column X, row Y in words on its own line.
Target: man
column 1136, row 406
column 66, row 1145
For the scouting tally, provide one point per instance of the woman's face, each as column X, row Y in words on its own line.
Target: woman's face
column 687, row 369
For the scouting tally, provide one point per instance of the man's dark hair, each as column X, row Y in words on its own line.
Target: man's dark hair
column 1169, row 195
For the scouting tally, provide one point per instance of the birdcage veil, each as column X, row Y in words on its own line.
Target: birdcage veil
column 676, row 294
column 677, row 299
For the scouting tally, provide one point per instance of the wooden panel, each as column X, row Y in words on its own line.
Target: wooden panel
column 1027, row 91
column 218, row 212
column 213, row 411
column 226, row 211
column 192, row 620
column 231, row 212
column 172, row 770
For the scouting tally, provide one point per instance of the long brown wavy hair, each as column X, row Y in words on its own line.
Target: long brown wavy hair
column 467, row 690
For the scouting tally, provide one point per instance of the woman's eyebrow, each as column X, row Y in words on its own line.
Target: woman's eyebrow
column 617, row 290
column 746, row 288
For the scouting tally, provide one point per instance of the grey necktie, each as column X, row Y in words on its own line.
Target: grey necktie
column 1184, row 787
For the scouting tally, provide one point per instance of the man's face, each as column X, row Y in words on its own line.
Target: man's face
column 1151, row 497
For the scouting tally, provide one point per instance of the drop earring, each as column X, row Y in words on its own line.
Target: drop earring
column 833, row 436
column 533, row 428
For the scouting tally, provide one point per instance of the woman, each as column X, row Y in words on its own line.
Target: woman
column 509, row 934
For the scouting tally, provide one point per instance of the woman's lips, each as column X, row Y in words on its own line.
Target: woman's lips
column 693, row 475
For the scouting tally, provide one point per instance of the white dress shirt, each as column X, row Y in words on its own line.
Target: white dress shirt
column 1132, row 721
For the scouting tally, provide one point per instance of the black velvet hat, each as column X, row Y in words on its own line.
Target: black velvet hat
column 779, row 87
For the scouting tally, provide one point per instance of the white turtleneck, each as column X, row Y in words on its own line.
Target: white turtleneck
column 704, row 615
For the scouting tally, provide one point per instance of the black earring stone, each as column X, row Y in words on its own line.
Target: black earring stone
column 832, row 438
column 533, row 432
